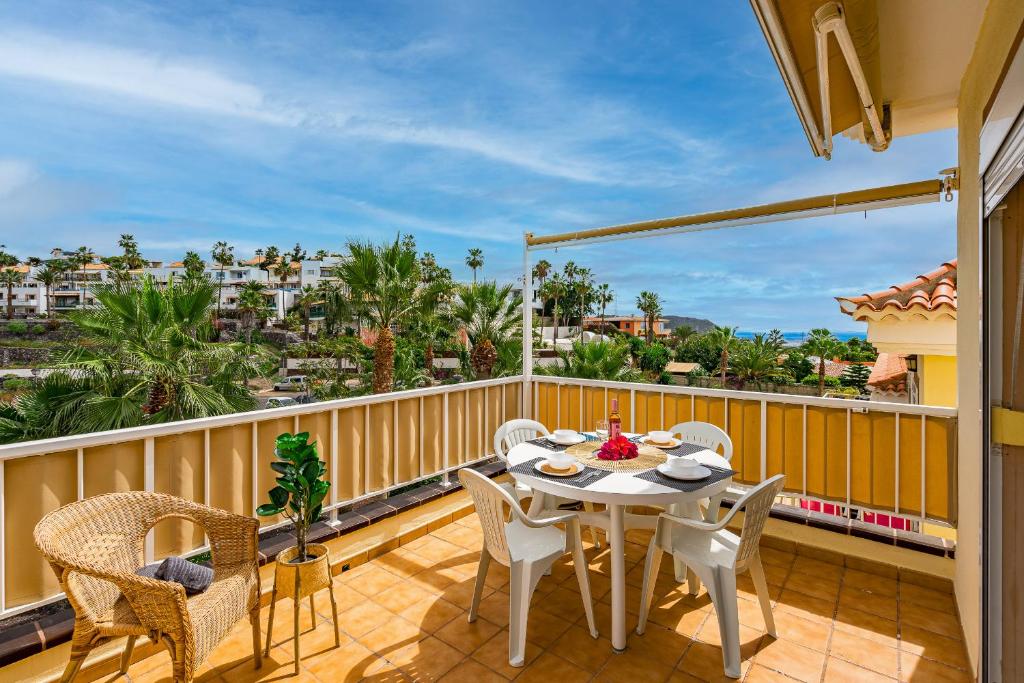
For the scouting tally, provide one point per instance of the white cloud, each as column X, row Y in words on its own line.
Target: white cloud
column 13, row 175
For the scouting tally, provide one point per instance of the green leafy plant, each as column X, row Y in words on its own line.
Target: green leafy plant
column 38, row 329
column 17, row 328
column 300, row 490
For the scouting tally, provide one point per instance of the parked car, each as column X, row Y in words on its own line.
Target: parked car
column 281, row 402
column 294, row 383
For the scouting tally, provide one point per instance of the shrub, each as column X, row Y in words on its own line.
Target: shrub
column 812, row 381
column 38, row 329
column 17, row 328
column 16, row 384
column 654, row 358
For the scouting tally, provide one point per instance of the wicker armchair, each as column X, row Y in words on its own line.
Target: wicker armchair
column 95, row 546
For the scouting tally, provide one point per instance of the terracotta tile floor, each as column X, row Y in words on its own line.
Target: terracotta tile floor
column 404, row 619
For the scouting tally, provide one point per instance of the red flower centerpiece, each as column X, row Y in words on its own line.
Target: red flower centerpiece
column 619, row 448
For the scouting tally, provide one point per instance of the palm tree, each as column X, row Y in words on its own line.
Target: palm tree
column 821, row 343
column 308, row 297
column 724, row 338
column 756, row 360
column 650, row 304
column 336, row 304
column 9, row 277
column 132, row 257
column 584, row 291
column 475, row 259
column 554, row 290
column 270, row 258
column 385, row 280
column 597, row 360
column 490, row 315
column 223, row 255
column 541, row 271
column 604, row 297
column 49, row 275
column 194, row 266
column 321, row 254
column 81, row 258
column 252, row 306
column 147, row 359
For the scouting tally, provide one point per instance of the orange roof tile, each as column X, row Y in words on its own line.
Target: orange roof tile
column 930, row 292
column 20, row 268
column 889, row 373
column 176, row 264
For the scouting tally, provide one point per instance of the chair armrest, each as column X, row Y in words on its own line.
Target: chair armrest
column 233, row 538
column 567, row 518
column 699, row 523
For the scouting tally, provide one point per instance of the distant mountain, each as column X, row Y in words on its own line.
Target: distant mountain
column 698, row 324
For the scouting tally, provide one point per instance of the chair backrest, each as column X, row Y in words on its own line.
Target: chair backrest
column 515, row 432
column 491, row 501
column 102, row 534
column 756, row 504
column 704, row 434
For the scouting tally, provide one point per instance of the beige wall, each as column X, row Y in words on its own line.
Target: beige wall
column 996, row 38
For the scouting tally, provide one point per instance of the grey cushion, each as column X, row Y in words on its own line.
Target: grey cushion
column 194, row 577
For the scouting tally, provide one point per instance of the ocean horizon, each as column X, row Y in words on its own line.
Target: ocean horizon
column 797, row 338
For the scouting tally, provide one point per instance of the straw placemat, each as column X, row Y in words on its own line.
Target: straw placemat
column 648, row 457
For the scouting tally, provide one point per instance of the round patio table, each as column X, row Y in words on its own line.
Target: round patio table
column 616, row 491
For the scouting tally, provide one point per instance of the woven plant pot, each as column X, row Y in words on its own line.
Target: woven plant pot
column 300, row 579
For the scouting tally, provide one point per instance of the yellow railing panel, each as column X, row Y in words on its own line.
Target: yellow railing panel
column 33, row 487
column 433, row 439
column 477, row 432
column 862, row 459
column 911, row 455
column 456, row 426
column 745, row 432
column 775, row 436
column 179, row 465
column 407, row 439
column 677, row 409
column 114, row 467
column 940, row 467
column 793, row 449
column 267, row 432
column 883, row 460
column 231, row 469
column 351, row 478
column 835, row 454
column 380, row 440
column 319, row 427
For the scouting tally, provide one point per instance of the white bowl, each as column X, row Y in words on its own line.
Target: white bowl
column 661, row 437
column 560, row 460
column 565, row 435
column 681, row 464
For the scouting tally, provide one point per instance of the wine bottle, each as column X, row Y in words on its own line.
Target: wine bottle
column 614, row 421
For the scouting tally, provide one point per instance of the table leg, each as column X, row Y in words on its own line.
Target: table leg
column 617, row 543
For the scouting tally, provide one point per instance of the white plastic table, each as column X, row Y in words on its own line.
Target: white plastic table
column 616, row 491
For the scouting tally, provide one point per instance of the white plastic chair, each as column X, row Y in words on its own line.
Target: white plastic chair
column 713, row 438
column 717, row 556
column 704, row 434
column 528, row 547
column 510, row 435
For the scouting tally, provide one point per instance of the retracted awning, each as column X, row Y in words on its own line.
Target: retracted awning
column 867, row 69
column 905, row 194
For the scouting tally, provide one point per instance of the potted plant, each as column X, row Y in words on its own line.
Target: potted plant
column 299, row 495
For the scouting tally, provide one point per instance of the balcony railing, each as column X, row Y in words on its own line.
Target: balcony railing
column 891, row 458
column 878, row 457
column 372, row 445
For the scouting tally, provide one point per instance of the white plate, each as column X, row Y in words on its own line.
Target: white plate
column 693, row 474
column 675, row 442
column 576, row 468
column 579, row 439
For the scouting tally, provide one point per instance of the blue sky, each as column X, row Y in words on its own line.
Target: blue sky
column 464, row 123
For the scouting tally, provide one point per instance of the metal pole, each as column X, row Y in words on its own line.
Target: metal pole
column 527, row 328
